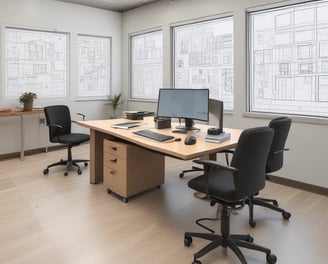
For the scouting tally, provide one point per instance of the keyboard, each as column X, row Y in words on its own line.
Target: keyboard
column 153, row 135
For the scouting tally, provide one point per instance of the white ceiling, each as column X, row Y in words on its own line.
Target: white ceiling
column 113, row 5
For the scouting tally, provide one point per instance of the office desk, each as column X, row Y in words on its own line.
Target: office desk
column 21, row 115
column 101, row 129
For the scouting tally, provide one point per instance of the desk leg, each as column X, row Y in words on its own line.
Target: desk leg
column 96, row 156
column 212, row 156
column 22, row 138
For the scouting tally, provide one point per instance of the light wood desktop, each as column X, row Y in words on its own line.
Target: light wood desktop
column 12, row 113
column 102, row 129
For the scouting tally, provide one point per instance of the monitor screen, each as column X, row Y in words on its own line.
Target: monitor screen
column 189, row 104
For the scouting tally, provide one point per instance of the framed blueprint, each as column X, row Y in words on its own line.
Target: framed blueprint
column 146, row 72
column 35, row 61
column 94, row 65
column 288, row 60
column 203, row 57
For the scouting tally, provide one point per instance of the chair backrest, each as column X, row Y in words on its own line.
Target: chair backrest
column 58, row 115
column 250, row 158
column 281, row 126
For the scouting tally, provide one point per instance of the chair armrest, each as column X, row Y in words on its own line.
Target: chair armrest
column 281, row 150
column 83, row 116
column 215, row 164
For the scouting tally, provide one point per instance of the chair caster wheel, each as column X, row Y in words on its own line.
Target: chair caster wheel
column 187, row 241
column 275, row 203
column 79, row 172
column 196, row 262
column 252, row 222
column 109, row 190
column 85, row 164
column 286, row 215
column 271, row 259
column 66, row 173
column 250, row 239
column 45, row 171
column 181, row 175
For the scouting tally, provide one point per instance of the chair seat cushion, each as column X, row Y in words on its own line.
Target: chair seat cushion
column 221, row 185
column 74, row 138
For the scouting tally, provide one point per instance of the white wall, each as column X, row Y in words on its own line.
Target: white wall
column 306, row 160
column 65, row 17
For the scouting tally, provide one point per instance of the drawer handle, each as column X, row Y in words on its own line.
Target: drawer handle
column 114, row 148
column 113, row 160
column 112, row 172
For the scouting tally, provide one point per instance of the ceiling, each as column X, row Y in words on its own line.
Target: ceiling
column 112, row 5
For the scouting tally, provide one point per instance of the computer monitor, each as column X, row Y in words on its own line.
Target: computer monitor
column 190, row 104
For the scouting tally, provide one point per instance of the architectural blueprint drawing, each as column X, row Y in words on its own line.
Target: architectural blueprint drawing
column 147, row 65
column 94, row 65
column 203, row 58
column 35, row 61
column 289, row 60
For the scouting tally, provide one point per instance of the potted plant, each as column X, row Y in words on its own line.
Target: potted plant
column 27, row 99
column 114, row 101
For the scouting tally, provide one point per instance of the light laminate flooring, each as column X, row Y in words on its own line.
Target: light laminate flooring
column 65, row 219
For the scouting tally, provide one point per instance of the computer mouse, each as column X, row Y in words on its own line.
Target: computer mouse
column 190, row 140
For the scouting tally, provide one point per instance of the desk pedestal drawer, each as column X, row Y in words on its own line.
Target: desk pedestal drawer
column 136, row 171
column 115, row 163
column 115, row 148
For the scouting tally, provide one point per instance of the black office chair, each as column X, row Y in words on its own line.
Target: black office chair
column 281, row 127
column 59, row 122
column 231, row 187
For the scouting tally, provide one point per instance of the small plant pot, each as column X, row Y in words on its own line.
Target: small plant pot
column 28, row 105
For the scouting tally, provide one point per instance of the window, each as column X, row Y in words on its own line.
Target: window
column 35, row 61
column 94, row 65
column 288, row 51
column 203, row 57
column 146, row 65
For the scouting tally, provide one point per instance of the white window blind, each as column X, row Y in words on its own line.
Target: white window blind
column 146, row 64
column 35, row 61
column 94, row 65
column 203, row 57
column 288, row 63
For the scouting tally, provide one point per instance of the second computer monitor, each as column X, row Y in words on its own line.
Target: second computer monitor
column 216, row 112
column 189, row 104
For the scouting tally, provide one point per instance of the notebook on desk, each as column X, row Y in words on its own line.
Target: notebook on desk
column 126, row 125
column 218, row 138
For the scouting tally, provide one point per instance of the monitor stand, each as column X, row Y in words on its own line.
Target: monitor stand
column 188, row 125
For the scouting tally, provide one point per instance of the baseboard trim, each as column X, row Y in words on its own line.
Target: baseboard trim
column 30, row 152
column 299, row 185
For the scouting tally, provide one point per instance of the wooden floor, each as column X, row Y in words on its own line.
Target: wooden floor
column 58, row 219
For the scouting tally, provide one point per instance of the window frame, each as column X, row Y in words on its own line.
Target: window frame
column 291, row 7
column 143, row 97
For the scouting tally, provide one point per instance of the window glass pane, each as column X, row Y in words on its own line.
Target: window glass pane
column 146, row 65
column 35, row 61
column 203, row 58
column 94, row 65
column 289, row 60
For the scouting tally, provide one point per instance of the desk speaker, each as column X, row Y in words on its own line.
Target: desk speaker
column 162, row 122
